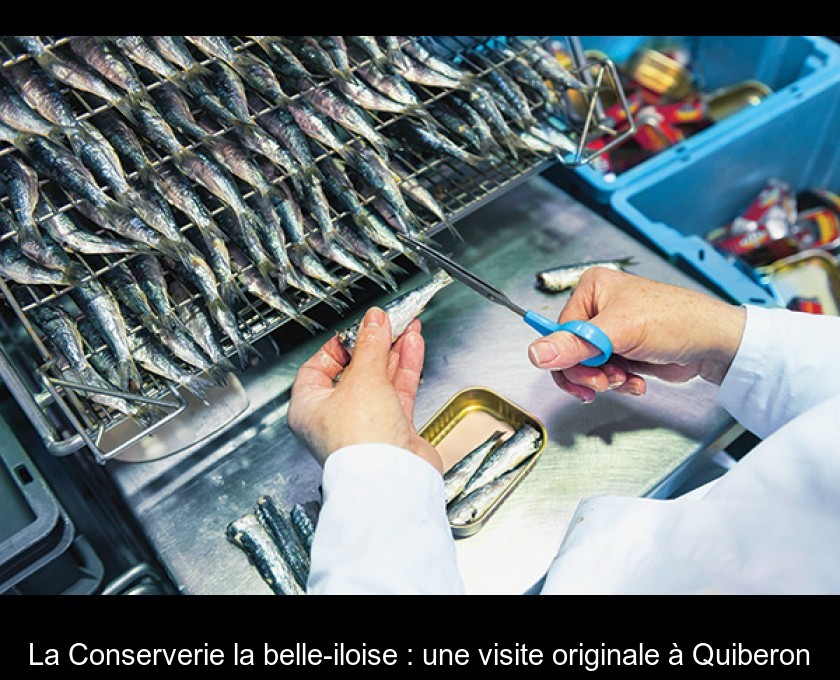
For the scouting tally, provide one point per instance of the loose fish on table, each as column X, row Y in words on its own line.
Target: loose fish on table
column 248, row 534
column 277, row 522
column 558, row 279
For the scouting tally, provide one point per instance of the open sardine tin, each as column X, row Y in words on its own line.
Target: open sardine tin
column 468, row 419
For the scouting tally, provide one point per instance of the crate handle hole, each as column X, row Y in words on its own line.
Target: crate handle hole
column 701, row 254
column 24, row 475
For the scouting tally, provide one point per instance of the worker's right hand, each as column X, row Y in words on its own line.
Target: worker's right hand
column 656, row 329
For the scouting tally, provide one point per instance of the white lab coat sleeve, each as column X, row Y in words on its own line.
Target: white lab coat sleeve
column 382, row 528
column 785, row 365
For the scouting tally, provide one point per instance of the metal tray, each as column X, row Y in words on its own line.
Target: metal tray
column 468, row 419
column 59, row 411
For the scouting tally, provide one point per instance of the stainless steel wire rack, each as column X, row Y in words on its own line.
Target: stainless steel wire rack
column 31, row 369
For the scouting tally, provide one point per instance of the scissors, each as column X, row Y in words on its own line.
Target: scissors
column 582, row 329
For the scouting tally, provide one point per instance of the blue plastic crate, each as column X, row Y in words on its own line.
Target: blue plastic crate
column 786, row 64
column 708, row 185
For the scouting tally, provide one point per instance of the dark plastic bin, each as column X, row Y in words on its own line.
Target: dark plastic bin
column 34, row 528
column 709, row 184
column 787, row 64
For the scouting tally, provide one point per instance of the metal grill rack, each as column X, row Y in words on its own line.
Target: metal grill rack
column 30, row 369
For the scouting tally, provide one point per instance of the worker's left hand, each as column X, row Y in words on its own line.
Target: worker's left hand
column 372, row 402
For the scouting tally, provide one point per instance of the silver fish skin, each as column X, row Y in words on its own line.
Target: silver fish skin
column 228, row 86
column 456, row 477
column 17, row 114
column 277, row 522
column 150, row 274
column 315, row 127
column 197, row 77
column 549, row 67
column 16, row 266
column 199, row 326
column 414, row 189
column 425, row 57
column 265, row 290
column 507, row 86
column 152, row 356
column 247, row 236
column 199, row 273
column 283, row 127
column 486, row 105
column 472, row 507
column 379, row 175
column 521, row 69
column 51, row 160
column 60, row 329
column 358, row 243
column 369, row 47
column 338, row 253
column 248, row 534
column 100, row 305
column 20, row 183
column 347, row 115
column 175, row 109
column 259, row 141
column 530, row 142
column 215, row 46
column 260, row 76
column 336, row 47
column 390, row 84
column 129, row 292
column 104, row 58
column 558, row 279
column 424, row 137
column 524, row 443
column 275, row 241
column 560, row 142
column 98, row 154
column 402, row 310
column 303, row 526
column 64, row 229
column 317, row 60
column 281, row 57
column 79, row 77
column 42, row 94
column 140, row 52
column 415, row 72
column 393, row 49
column 487, row 141
column 359, row 93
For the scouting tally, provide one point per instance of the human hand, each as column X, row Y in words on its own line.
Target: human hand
column 372, row 402
column 657, row 329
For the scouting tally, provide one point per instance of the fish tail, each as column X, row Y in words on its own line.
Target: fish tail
column 232, row 293
column 198, row 386
column 309, row 324
column 129, row 375
column 244, row 349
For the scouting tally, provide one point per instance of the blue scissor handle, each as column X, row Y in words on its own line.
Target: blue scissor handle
column 583, row 329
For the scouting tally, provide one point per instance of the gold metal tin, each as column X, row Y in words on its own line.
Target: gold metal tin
column 468, row 419
column 812, row 274
column 661, row 74
column 728, row 100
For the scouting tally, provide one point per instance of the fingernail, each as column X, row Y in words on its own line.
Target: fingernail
column 635, row 391
column 375, row 317
column 542, row 353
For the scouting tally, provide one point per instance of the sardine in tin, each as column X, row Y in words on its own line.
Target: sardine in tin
column 466, row 420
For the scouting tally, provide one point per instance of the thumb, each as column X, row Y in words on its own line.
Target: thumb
column 373, row 343
column 560, row 350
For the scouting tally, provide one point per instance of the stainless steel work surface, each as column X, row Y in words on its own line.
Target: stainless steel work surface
column 616, row 445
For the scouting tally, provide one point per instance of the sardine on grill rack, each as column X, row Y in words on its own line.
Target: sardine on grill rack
column 206, row 191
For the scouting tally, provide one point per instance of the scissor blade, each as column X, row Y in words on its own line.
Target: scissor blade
column 456, row 271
